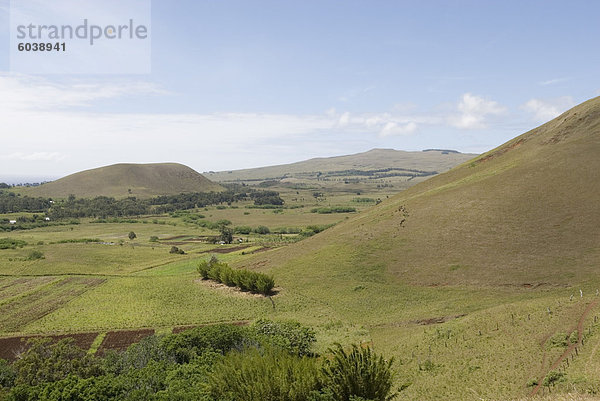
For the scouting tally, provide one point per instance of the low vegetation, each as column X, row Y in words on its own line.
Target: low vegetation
column 221, row 362
column 245, row 280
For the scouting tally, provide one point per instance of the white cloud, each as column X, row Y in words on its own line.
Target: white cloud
column 392, row 128
column 22, row 92
column 344, row 119
column 554, row 81
column 546, row 109
column 474, row 111
column 62, row 123
column 47, row 156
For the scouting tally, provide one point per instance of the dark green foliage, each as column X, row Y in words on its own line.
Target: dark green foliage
column 7, row 374
column 46, row 362
column 360, row 373
column 13, row 203
column 176, row 250
column 266, row 198
column 269, row 374
column 262, row 230
column 132, row 235
column 243, row 230
column 10, row 243
column 34, row 255
column 246, row 280
column 334, row 209
column 226, row 235
column 290, row 336
column 77, row 241
column 154, row 238
column 266, row 361
column 190, row 344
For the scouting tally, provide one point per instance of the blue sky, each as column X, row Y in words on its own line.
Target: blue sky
column 238, row 84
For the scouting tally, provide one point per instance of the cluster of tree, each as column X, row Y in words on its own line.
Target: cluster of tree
column 13, row 203
column 171, row 203
column 265, row 361
column 103, row 207
column 98, row 207
column 266, row 198
column 246, row 280
column 245, row 230
column 333, row 209
column 26, row 224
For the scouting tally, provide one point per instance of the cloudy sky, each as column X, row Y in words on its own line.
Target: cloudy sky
column 246, row 83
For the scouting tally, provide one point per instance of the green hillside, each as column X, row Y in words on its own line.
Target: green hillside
column 122, row 180
column 523, row 213
column 472, row 279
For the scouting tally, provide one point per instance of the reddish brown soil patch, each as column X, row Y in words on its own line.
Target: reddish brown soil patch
column 226, row 250
column 569, row 349
column 122, row 339
column 12, row 347
column 500, row 152
column 263, row 249
column 174, row 237
column 436, row 320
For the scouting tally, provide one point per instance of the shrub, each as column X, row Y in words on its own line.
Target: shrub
column 154, row 238
column 131, row 235
column 358, row 373
column 290, row 336
column 7, row 374
column 46, row 362
column 35, row 255
column 262, row 230
column 269, row 374
column 243, row 230
column 220, row 338
column 246, row 280
column 553, row 377
column 176, row 250
column 9, row 243
column 334, row 209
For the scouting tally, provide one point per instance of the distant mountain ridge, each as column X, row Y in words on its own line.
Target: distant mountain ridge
column 374, row 160
column 126, row 179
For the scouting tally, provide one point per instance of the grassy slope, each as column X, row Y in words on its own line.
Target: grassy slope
column 373, row 159
column 144, row 180
column 474, row 241
column 524, row 213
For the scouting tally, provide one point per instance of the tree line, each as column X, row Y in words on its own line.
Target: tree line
column 104, row 207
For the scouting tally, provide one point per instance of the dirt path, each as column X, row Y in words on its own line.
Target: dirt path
column 570, row 349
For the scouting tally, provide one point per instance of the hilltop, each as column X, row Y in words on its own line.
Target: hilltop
column 397, row 167
column 122, row 180
column 525, row 213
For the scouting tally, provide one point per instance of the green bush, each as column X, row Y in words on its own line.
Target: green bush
column 334, row 209
column 246, row 280
column 262, row 230
column 243, row 230
column 10, row 243
column 290, row 336
column 268, row 375
column 35, row 255
column 176, row 250
column 359, row 373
